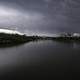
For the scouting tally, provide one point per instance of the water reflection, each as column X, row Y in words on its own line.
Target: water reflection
column 41, row 58
column 72, row 44
column 10, row 45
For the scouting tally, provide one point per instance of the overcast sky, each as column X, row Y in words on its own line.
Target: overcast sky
column 40, row 16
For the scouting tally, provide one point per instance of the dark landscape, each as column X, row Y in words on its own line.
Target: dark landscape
column 39, row 39
column 7, row 39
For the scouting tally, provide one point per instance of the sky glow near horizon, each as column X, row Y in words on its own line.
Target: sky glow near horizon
column 10, row 31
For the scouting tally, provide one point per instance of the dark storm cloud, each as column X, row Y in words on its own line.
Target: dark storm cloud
column 48, row 16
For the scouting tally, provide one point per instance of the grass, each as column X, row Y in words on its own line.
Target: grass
column 67, row 39
column 15, row 39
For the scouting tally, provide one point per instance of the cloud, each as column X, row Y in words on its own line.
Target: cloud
column 47, row 1
column 40, row 15
column 15, row 19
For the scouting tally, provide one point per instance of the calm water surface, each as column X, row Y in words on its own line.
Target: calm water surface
column 47, row 59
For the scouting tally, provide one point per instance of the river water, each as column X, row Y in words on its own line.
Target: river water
column 41, row 59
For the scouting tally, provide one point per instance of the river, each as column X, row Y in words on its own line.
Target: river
column 47, row 59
